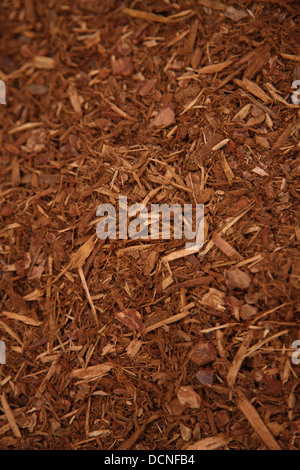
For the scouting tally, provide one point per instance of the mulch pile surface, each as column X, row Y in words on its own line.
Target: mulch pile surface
column 142, row 344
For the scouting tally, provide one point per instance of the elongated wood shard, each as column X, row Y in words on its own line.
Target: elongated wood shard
column 257, row 423
column 10, row 416
column 92, row 372
column 238, row 359
column 210, row 443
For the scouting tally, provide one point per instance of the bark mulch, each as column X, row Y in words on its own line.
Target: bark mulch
column 139, row 343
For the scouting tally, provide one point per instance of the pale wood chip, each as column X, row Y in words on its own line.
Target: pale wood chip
column 220, row 144
column 79, row 258
column 214, row 298
column 262, row 141
column 75, row 99
column 225, row 247
column 227, row 170
column 24, row 127
column 41, row 62
column 10, row 417
column 92, row 372
column 213, row 4
column 243, row 113
column 238, row 359
column 257, row 423
column 117, row 109
column 34, row 295
column 86, row 289
column 253, row 88
column 133, row 347
column 187, row 396
column 257, row 346
column 259, row 171
column 214, row 68
column 210, row 443
column 274, row 93
column 50, row 373
column 172, row 319
column 290, row 56
column 12, row 333
column 145, row 15
column 21, row 318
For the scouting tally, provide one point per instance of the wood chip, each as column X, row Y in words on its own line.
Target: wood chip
column 220, row 144
column 187, row 396
column 210, row 443
column 22, row 318
column 214, row 298
column 92, row 372
column 42, row 62
column 259, row 171
column 225, row 247
column 256, row 422
column 131, row 318
column 213, row 4
column 79, row 258
column 172, row 319
column 254, row 89
column 10, row 417
column 290, row 56
column 214, row 68
column 238, row 360
column 144, row 15
column 85, row 286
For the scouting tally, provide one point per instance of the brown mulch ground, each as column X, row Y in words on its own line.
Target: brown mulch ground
column 137, row 344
